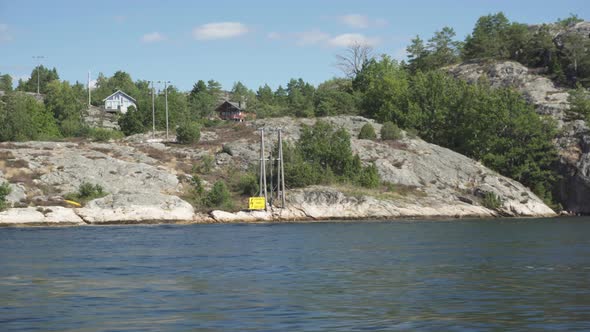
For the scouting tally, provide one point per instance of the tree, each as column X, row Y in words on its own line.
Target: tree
column 417, row 54
column 487, row 38
column 575, row 52
column 203, row 99
column 354, row 58
column 24, row 118
column 383, row 86
column 265, row 95
column 5, row 82
column 335, row 97
column 579, row 100
column 442, row 49
column 131, row 122
column 239, row 92
column 44, row 75
column 569, row 21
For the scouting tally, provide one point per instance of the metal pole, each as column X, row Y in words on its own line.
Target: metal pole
column 261, row 161
column 89, row 88
column 153, row 111
column 281, row 170
column 166, row 88
column 38, row 58
column 271, row 182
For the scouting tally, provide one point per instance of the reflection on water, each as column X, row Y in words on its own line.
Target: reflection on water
column 419, row 275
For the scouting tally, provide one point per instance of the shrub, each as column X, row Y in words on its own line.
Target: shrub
column 412, row 133
column 390, row 131
column 219, row 196
column 86, row 192
column 188, row 133
column 367, row 132
column 205, row 165
column 103, row 135
column 247, row 184
column 4, row 191
column 369, row 177
column 491, row 201
column 131, row 122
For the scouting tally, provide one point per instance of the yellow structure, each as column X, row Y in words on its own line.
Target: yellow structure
column 257, row 203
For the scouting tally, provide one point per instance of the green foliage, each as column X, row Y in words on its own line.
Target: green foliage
column 4, row 191
column 45, row 76
column 390, row 131
column 86, row 192
column 131, row 122
column 367, row 132
column 23, row 118
column 579, row 99
column 247, row 184
column 384, row 87
column 491, row 201
column 205, row 165
column 188, row 133
column 5, row 82
column 102, row 134
column 440, row 51
column 488, row 38
column 218, row 197
column 569, row 21
column 63, row 101
column 334, row 97
column 322, row 155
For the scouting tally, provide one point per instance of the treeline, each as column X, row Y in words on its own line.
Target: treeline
column 495, row 126
column 564, row 57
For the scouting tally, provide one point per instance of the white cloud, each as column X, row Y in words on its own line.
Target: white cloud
column 349, row 39
column 219, row 30
column 311, row 37
column 93, row 84
column 5, row 35
column 153, row 37
column 359, row 21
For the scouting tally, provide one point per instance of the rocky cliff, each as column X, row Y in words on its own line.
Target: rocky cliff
column 146, row 182
column 573, row 140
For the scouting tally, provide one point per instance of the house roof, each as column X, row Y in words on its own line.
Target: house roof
column 233, row 104
column 114, row 93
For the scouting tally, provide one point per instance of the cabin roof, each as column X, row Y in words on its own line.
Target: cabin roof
column 114, row 93
column 233, row 104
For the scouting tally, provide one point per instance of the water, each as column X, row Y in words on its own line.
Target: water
column 418, row 275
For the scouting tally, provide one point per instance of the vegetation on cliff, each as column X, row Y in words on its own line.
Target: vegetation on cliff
column 495, row 126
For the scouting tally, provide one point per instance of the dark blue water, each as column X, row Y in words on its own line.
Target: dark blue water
column 418, row 275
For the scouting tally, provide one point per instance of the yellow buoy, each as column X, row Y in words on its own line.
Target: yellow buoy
column 73, row 203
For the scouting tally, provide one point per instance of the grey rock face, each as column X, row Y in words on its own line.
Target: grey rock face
column 142, row 178
column 549, row 100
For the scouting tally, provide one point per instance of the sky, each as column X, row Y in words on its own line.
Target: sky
column 255, row 42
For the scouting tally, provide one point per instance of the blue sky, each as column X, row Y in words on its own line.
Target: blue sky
column 255, row 42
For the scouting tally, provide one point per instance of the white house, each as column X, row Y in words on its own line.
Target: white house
column 118, row 101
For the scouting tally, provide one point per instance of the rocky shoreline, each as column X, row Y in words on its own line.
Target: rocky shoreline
column 148, row 182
